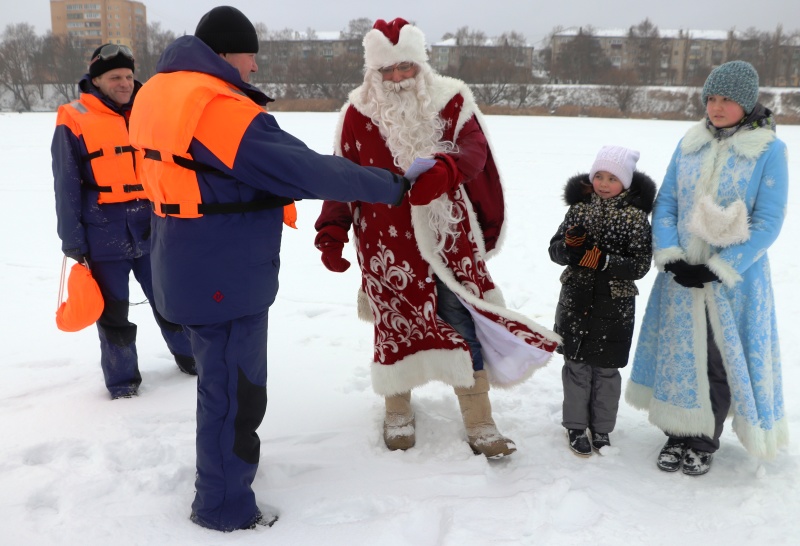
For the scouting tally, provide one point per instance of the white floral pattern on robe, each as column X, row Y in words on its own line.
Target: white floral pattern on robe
column 669, row 374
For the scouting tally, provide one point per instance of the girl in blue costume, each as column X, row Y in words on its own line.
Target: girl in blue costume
column 708, row 344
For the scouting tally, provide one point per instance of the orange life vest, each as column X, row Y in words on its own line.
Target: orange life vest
column 110, row 154
column 165, row 119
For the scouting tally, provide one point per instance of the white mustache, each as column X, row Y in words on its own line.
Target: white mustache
column 399, row 86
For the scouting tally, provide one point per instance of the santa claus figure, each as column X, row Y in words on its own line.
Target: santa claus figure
column 425, row 286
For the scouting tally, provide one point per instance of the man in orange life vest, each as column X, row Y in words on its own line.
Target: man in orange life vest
column 219, row 169
column 103, row 213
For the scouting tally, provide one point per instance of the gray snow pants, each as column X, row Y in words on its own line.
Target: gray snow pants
column 591, row 396
column 720, row 394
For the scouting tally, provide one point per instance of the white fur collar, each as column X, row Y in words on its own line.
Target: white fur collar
column 747, row 143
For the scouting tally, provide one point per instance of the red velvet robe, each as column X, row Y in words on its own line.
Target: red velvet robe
column 395, row 249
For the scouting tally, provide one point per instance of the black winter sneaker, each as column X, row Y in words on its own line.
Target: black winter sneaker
column 579, row 442
column 696, row 462
column 670, row 457
column 600, row 440
column 186, row 364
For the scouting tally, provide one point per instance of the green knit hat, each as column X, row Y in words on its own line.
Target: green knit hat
column 737, row 80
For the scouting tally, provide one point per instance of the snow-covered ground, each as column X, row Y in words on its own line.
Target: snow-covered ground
column 77, row 468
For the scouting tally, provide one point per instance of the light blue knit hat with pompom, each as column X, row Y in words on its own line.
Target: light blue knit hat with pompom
column 737, row 80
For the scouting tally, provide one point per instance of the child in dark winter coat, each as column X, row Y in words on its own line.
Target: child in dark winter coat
column 605, row 242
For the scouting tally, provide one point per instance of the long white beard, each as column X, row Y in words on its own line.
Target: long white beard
column 412, row 128
column 407, row 120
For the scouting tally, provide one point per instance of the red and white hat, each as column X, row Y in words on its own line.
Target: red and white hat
column 394, row 42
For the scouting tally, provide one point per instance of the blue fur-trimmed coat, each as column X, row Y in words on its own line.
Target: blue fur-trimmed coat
column 669, row 374
column 596, row 307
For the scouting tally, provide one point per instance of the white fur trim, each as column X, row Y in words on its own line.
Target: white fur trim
column 363, row 308
column 379, row 51
column 747, row 143
column 495, row 296
column 761, row 443
column 719, row 226
column 667, row 256
column 722, row 269
column 451, row 366
column 638, row 395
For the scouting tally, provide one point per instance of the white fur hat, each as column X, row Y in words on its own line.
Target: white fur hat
column 619, row 161
column 394, row 42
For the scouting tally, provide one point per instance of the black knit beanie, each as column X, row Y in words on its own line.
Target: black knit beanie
column 225, row 29
column 99, row 67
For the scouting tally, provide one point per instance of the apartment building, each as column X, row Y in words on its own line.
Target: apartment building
column 678, row 57
column 448, row 57
column 96, row 22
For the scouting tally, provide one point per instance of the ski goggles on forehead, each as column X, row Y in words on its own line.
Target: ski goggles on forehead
column 109, row 51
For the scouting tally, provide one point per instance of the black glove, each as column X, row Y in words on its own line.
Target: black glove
column 691, row 276
column 75, row 254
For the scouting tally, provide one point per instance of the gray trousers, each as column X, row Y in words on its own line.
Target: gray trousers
column 720, row 394
column 591, row 396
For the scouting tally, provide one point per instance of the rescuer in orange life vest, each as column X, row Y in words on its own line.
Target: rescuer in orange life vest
column 219, row 171
column 103, row 213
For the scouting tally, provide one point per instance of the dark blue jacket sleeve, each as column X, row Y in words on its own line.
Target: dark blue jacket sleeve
column 271, row 160
column 66, row 154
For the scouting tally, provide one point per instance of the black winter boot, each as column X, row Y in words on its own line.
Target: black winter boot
column 671, row 456
column 600, row 440
column 579, row 442
column 696, row 462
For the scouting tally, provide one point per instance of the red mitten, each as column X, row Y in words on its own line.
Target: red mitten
column 435, row 182
column 330, row 241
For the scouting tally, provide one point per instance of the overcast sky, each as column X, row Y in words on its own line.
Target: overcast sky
column 436, row 17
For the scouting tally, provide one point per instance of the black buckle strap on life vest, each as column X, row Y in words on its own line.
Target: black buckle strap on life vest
column 214, row 208
column 118, row 150
column 231, row 208
column 190, row 164
column 127, row 188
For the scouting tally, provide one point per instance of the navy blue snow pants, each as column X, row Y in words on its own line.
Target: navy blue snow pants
column 452, row 311
column 118, row 356
column 231, row 362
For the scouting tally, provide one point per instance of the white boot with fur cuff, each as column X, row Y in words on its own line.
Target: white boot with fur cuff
column 399, row 423
column 482, row 434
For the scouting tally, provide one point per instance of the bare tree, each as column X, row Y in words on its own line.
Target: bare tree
column 466, row 37
column 64, row 62
column 623, row 96
column 287, row 34
column 330, row 78
column 18, row 58
column 512, row 39
column 155, row 42
column 582, row 60
column 357, row 29
column 262, row 32
column 647, row 51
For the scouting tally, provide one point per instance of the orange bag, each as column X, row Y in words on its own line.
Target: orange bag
column 84, row 303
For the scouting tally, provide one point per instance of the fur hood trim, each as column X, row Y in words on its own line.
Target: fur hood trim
column 749, row 144
column 641, row 194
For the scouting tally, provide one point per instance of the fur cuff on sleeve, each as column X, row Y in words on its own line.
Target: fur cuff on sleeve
column 722, row 269
column 667, row 256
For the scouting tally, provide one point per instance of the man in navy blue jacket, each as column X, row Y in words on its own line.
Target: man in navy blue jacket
column 103, row 214
column 219, row 169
